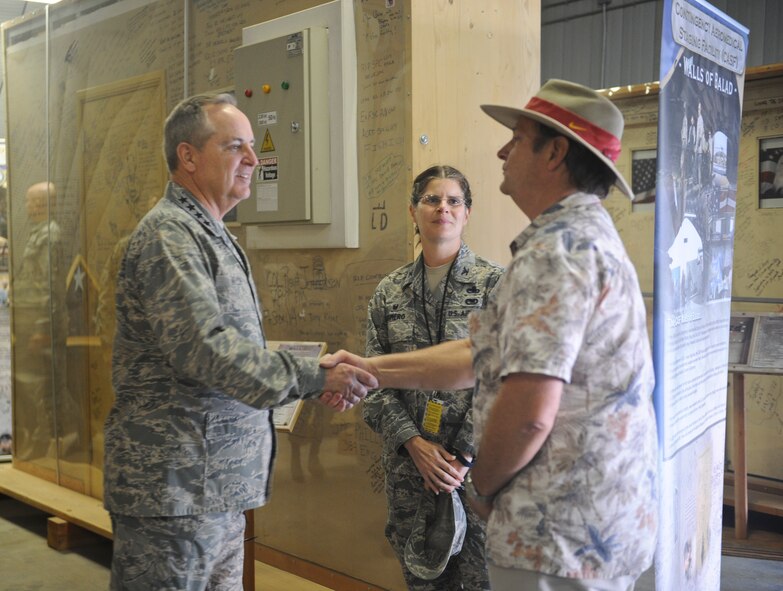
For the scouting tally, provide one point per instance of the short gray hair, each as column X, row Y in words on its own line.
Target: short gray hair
column 188, row 123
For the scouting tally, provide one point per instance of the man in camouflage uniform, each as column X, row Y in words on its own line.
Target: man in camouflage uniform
column 397, row 322
column 190, row 440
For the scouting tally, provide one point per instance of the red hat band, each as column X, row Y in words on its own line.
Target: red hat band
column 600, row 139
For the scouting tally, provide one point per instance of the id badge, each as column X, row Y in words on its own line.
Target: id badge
column 432, row 416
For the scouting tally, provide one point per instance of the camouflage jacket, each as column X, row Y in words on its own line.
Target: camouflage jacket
column 191, row 428
column 396, row 323
column 41, row 272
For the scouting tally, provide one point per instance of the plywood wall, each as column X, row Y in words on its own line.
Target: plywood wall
column 467, row 54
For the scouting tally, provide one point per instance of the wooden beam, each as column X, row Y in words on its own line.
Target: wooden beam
column 249, row 573
column 740, row 467
column 79, row 509
column 64, row 535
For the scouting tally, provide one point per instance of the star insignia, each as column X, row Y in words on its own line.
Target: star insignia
column 78, row 278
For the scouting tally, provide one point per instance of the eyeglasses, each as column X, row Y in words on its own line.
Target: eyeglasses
column 436, row 200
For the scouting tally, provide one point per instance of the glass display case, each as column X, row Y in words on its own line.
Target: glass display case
column 89, row 85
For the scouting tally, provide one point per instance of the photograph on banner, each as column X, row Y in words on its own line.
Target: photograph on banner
column 699, row 182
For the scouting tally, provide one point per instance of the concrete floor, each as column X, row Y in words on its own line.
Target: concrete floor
column 737, row 574
column 28, row 564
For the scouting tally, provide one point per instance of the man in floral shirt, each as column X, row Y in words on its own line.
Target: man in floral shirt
column 567, row 451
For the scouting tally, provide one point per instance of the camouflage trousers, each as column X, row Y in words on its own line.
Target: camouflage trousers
column 188, row 553
column 466, row 570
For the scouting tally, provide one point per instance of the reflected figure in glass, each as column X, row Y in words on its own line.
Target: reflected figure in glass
column 39, row 327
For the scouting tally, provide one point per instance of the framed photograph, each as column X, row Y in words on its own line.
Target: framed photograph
column 284, row 417
column 643, row 171
column 740, row 331
column 756, row 343
column 771, row 172
column 768, row 343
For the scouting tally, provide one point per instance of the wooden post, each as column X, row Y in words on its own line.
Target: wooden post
column 249, row 574
column 740, row 467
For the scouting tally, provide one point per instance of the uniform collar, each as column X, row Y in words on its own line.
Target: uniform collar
column 185, row 200
column 462, row 271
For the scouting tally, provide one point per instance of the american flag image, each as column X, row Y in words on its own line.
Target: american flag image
column 643, row 170
column 771, row 167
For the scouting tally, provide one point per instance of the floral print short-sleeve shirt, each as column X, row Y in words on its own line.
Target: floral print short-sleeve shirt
column 570, row 307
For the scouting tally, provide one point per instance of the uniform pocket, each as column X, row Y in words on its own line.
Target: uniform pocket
column 401, row 336
column 238, row 448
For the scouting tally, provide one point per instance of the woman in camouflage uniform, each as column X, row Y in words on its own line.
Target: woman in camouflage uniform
column 428, row 435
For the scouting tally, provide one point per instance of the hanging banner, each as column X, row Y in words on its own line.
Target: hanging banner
column 702, row 77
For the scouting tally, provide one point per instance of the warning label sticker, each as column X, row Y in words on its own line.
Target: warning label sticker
column 269, row 118
column 267, row 145
column 267, row 169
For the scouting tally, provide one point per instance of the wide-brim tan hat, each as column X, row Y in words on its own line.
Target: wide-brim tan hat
column 579, row 113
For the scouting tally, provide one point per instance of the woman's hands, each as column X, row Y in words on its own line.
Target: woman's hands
column 440, row 470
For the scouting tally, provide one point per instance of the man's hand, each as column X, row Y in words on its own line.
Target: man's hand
column 334, row 401
column 343, row 356
column 345, row 386
column 435, row 465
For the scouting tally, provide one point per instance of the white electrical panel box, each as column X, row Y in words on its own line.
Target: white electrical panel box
column 281, row 85
column 295, row 79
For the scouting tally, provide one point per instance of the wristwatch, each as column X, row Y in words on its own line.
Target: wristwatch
column 472, row 493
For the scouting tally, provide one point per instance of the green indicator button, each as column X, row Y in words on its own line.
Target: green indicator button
column 284, row 85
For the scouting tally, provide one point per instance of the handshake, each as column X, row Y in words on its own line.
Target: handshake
column 447, row 366
column 348, row 379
